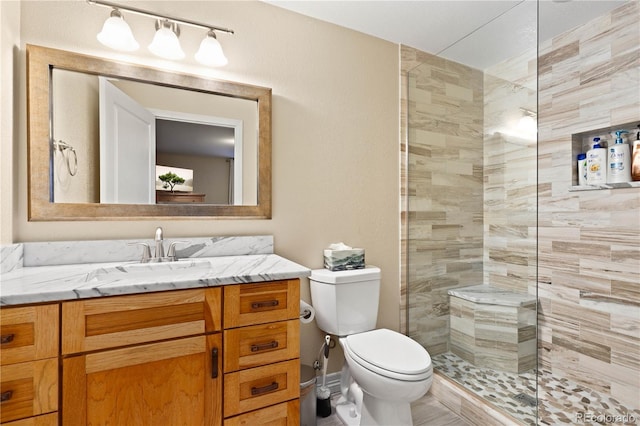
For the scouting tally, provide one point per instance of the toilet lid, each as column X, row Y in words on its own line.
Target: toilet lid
column 390, row 354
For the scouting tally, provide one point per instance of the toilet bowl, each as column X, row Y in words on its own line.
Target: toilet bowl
column 392, row 370
column 384, row 371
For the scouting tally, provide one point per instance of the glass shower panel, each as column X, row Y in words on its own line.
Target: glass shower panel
column 472, row 212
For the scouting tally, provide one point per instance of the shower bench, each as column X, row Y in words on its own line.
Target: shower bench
column 493, row 328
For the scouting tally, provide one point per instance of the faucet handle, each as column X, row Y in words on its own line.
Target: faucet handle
column 171, row 253
column 146, row 251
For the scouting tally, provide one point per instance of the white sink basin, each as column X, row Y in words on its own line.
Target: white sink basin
column 151, row 269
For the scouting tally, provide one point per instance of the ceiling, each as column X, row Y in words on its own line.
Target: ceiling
column 455, row 29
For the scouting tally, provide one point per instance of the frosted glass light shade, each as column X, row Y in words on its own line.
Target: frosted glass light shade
column 166, row 44
column 210, row 52
column 117, row 34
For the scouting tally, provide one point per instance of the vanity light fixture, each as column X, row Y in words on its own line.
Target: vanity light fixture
column 117, row 34
column 210, row 52
column 165, row 42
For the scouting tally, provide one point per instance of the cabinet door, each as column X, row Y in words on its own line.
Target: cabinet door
column 177, row 382
column 28, row 333
column 109, row 322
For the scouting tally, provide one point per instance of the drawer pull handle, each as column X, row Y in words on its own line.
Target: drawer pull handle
column 7, row 338
column 214, row 363
column 5, row 396
column 265, row 389
column 264, row 304
column 264, row 346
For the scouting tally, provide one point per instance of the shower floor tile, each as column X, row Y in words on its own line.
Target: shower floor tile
column 561, row 401
column 508, row 392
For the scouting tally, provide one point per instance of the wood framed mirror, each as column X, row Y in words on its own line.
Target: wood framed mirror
column 72, row 162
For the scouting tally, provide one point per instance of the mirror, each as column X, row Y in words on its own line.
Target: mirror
column 213, row 135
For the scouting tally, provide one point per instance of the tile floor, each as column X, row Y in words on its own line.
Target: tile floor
column 498, row 387
column 560, row 399
column 425, row 411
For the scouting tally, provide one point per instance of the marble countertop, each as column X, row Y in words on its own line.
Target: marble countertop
column 69, row 282
column 69, row 270
column 493, row 296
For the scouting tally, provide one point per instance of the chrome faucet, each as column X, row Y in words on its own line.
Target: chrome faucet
column 159, row 253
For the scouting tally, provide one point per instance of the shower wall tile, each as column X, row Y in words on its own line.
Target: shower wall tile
column 510, row 175
column 589, row 251
column 442, row 190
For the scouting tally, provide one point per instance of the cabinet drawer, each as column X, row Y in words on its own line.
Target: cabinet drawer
column 285, row 414
column 44, row 420
column 248, row 304
column 256, row 345
column 109, row 322
column 29, row 389
column 260, row 387
column 28, row 333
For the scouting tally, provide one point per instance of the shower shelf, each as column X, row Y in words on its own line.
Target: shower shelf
column 581, row 142
column 576, row 188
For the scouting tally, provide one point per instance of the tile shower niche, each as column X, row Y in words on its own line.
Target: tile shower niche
column 582, row 142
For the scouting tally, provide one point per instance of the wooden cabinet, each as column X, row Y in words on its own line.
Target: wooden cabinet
column 261, row 353
column 179, row 197
column 143, row 359
column 29, row 365
column 156, row 358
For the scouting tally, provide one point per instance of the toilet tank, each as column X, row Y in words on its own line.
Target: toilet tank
column 346, row 302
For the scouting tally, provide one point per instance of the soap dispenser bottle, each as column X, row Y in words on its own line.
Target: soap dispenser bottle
column 619, row 160
column 596, row 164
column 635, row 159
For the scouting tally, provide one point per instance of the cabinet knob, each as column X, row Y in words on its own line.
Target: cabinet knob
column 214, row 363
column 264, row 389
column 6, row 395
column 7, row 338
column 264, row 346
column 264, row 304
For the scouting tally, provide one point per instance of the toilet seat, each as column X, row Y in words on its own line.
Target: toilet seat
column 389, row 354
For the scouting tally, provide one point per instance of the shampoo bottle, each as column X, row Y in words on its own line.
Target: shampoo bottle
column 619, row 161
column 596, row 164
column 635, row 161
column 582, row 169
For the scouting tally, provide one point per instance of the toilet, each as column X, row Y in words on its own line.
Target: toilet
column 384, row 371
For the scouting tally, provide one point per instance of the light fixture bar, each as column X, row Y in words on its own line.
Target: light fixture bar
column 157, row 16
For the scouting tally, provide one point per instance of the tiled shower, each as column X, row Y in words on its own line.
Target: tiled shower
column 487, row 201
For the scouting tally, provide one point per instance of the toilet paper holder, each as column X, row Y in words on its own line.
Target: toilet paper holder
column 307, row 313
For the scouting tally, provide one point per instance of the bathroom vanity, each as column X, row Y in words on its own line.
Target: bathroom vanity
column 207, row 340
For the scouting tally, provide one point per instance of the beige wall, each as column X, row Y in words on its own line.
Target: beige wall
column 335, row 131
column 75, row 122
column 9, row 80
